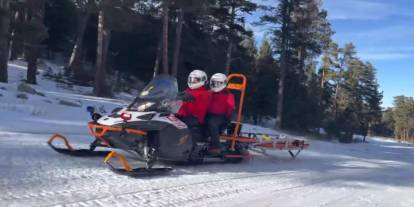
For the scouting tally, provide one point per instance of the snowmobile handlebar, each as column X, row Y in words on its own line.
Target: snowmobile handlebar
column 184, row 96
column 94, row 115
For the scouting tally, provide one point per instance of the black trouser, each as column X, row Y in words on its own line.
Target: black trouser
column 194, row 126
column 216, row 124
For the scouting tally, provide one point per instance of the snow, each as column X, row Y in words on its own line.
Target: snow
column 377, row 173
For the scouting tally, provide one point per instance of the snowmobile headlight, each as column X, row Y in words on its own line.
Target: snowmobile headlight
column 144, row 106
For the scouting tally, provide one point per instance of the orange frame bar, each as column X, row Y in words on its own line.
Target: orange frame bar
column 93, row 127
column 242, row 88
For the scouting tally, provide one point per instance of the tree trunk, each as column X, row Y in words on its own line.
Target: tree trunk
column 106, row 62
column 16, row 46
column 33, row 46
column 283, row 64
column 165, row 38
column 16, row 43
column 335, row 106
column 74, row 65
column 323, row 78
column 4, row 38
column 177, row 45
column 230, row 45
column 157, row 58
column 280, row 92
column 101, row 52
column 31, row 57
column 302, row 57
column 228, row 58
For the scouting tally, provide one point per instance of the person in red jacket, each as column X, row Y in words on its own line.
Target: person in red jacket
column 220, row 109
column 194, row 109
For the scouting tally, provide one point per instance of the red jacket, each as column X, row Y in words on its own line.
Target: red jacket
column 222, row 103
column 198, row 107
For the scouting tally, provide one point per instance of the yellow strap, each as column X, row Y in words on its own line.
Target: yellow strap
column 267, row 137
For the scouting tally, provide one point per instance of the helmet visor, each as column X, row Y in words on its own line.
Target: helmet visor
column 216, row 84
column 193, row 80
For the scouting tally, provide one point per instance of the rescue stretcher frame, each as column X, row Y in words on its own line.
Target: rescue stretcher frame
column 292, row 145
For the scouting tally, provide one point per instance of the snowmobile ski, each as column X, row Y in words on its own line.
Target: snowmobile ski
column 74, row 152
column 133, row 172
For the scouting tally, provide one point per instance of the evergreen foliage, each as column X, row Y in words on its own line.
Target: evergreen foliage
column 286, row 81
column 403, row 117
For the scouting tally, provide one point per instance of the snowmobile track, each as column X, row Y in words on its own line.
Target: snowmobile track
column 182, row 195
column 157, row 196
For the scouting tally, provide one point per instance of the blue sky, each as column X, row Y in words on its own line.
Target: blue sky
column 383, row 33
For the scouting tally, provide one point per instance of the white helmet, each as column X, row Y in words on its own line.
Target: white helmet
column 218, row 82
column 196, row 79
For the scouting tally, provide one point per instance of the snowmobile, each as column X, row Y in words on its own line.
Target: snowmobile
column 149, row 129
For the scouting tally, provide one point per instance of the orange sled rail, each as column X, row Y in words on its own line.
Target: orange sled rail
column 65, row 141
column 69, row 150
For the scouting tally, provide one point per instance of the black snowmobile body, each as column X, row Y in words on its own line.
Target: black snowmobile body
column 149, row 128
column 153, row 113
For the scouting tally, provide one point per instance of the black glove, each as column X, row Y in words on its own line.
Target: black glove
column 95, row 116
column 184, row 96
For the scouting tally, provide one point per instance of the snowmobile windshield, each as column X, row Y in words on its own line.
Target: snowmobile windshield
column 155, row 95
column 161, row 87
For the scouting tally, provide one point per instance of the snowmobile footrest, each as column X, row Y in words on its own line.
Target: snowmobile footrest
column 133, row 172
column 71, row 151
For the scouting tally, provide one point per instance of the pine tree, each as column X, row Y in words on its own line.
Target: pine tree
column 124, row 12
column 27, row 33
column 84, row 8
column 165, row 22
column 183, row 7
column 61, row 26
column 17, row 32
column 403, row 115
column 300, row 34
column 229, row 20
column 263, row 82
column 35, row 33
column 281, row 36
column 359, row 99
column 177, row 45
column 100, row 87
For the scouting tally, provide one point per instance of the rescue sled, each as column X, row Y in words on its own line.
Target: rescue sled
column 149, row 130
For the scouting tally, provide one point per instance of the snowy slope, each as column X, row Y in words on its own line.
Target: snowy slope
column 378, row 173
column 36, row 112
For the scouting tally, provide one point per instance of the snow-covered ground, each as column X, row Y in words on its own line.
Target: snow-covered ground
column 378, row 173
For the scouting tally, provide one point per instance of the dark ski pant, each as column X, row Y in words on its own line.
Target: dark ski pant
column 215, row 125
column 194, row 126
